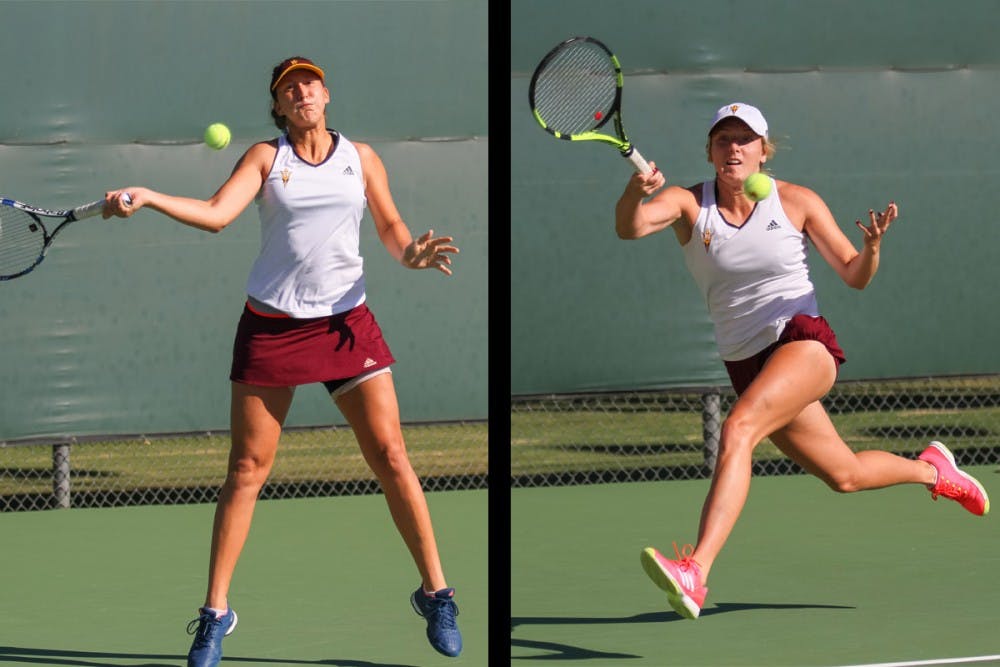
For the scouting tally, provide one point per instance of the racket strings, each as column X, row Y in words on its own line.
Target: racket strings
column 22, row 239
column 577, row 89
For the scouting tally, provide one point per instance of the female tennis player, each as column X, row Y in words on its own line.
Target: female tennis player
column 306, row 321
column 749, row 261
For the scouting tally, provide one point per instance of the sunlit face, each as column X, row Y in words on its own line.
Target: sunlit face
column 301, row 97
column 735, row 149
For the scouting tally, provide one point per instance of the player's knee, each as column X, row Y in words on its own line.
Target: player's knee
column 842, row 481
column 248, row 472
column 388, row 459
column 738, row 432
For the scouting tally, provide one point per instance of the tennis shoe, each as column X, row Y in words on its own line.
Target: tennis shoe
column 440, row 611
column 208, row 631
column 953, row 483
column 680, row 578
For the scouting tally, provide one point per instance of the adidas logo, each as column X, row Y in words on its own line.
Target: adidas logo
column 348, row 171
column 369, row 362
column 772, row 225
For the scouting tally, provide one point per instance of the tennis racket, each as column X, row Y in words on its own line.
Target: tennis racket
column 576, row 90
column 25, row 235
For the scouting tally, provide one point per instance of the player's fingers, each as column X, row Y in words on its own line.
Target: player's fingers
column 440, row 241
column 891, row 212
column 885, row 218
column 114, row 205
column 876, row 225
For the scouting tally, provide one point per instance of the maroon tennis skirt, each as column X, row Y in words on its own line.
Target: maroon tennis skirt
column 280, row 351
column 800, row 327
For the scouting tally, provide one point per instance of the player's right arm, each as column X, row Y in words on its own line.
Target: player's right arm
column 212, row 214
column 636, row 217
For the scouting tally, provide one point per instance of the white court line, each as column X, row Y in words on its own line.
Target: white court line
column 941, row 661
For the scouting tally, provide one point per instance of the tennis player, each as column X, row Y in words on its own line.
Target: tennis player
column 306, row 321
column 749, row 259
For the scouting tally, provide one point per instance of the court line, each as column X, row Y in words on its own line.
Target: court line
column 920, row 663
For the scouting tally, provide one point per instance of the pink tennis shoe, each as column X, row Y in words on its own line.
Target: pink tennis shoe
column 680, row 578
column 953, row 483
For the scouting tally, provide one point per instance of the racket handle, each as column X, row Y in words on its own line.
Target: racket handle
column 639, row 162
column 88, row 210
column 96, row 207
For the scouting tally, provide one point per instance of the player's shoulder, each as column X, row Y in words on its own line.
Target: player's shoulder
column 363, row 149
column 263, row 149
column 801, row 202
column 794, row 192
column 369, row 158
column 259, row 156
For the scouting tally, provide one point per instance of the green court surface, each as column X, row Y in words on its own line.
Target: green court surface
column 808, row 577
column 321, row 582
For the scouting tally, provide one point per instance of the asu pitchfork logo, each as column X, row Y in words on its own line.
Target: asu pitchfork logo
column 286, row 174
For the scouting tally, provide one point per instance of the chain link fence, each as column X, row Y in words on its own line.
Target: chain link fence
column 190, row 468
column 673, row 435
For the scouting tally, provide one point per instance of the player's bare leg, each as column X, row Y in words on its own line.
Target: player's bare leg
column 796, row 375
column 257, row 414
column 373, row 413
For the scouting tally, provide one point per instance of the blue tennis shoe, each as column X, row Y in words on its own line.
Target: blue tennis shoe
column 208, row 630
column 440, row 611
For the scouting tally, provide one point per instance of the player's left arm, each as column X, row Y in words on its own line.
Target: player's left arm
column 855, row 268
column 426, row 252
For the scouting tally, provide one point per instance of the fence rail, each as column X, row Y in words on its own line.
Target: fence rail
column 561, row 439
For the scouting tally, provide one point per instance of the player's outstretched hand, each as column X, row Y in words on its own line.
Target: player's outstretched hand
column 428, row 252
column 880, row 222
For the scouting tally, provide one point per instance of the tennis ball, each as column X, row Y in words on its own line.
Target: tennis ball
column 217, row 136
column 757, row 186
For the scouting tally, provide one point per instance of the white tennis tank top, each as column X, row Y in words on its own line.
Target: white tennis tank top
column 754, row 278
column 310, row 261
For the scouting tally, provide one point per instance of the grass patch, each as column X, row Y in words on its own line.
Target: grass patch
column 305, row 456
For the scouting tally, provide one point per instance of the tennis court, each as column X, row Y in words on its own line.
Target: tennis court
column 808, row 578
column 321, row 582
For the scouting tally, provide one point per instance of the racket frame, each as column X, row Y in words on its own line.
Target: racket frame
column 621, row 141
column 37, row 214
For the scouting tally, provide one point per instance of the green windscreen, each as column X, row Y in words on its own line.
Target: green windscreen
column 867, row 101
column 127, row 327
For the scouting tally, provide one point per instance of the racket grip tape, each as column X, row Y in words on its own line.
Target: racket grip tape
column 96, row 208
column 639, row 162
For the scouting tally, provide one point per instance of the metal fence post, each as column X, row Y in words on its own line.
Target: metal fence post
column 60, row 475
column 711, row 425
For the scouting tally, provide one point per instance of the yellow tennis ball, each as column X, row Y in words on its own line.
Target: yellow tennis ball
column 217, row 136
column 757, row 186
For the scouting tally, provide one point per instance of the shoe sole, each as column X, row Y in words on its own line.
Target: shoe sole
column 680, row 602
column 945, row 452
